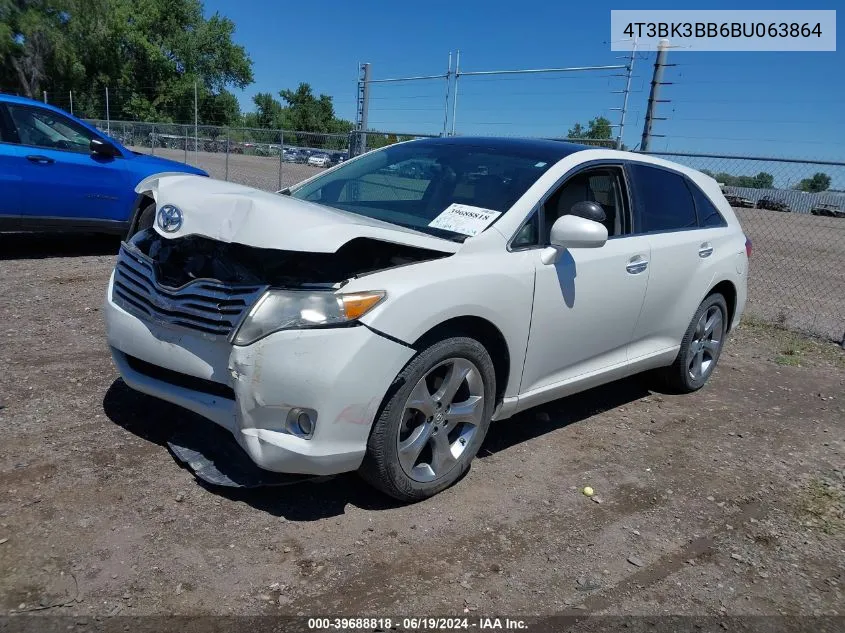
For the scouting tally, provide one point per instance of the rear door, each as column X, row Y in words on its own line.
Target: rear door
column 61, row 179
column 684, row 251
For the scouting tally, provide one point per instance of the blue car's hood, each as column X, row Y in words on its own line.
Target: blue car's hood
column 145, row 165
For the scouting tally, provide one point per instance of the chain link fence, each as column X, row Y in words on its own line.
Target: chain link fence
column 797, row 275
column 261, row 158
column 797, row 270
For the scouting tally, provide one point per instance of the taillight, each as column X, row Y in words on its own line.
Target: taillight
column 748, row 246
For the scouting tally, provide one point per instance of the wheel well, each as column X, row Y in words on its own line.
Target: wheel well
column 141, row 203
column 482, row 331
column 728, row 291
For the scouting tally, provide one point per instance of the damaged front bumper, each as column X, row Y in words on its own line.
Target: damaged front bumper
column 342, row 374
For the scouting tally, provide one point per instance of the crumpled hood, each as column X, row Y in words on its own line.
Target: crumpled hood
column 234, row 213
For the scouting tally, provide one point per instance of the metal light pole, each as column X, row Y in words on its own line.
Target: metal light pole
column 455, row 96
column 446, row 105
column 196, row 119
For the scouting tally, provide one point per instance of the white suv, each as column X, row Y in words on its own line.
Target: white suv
column 368, row 320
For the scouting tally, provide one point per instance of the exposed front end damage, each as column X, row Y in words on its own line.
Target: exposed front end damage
column 180, row 261
column 173, row 307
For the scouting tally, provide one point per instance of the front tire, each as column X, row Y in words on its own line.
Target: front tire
column 433, row 421
column 146, row 218
column 700, row 348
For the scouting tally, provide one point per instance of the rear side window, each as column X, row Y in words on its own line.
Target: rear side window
column 663, row 200
column 708, row 214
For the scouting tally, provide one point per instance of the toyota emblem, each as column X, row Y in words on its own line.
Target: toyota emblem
column 169, row 218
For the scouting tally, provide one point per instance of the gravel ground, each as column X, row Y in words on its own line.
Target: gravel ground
column 727, row 501
column 797, row 276
column 797, row 272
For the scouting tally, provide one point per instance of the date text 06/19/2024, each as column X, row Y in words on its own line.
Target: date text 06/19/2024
column 418, row 623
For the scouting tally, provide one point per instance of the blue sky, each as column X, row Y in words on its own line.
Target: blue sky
column 778, row 104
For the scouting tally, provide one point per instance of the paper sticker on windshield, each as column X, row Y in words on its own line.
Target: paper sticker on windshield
column 464, row 219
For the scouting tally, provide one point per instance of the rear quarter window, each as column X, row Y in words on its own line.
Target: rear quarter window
column 708, row 214
column 663, row 200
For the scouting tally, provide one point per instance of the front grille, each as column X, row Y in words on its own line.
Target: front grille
column 180, row 380
column 202, row 305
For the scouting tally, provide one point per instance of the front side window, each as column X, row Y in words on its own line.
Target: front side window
column 44, row 128
column 603, row 185
column 410, row 184
column 663, row 199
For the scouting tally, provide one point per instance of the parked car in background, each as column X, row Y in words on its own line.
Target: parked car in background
column 319, row 160
column 773, row 205
column 59, row 173
column 383, row 330
column 290, row 156
column 828, row 210
column 739, row 201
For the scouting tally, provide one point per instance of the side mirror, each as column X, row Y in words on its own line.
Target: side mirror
column 103, row 148
column 571, row 231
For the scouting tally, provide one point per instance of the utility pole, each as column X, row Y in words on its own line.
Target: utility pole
column 196, row 120
column 653, row 97
column 45, row 96
column 363, row 107
column 108, row 118
column 629, row 71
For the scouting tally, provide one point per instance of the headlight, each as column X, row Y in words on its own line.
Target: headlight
column 295, row 309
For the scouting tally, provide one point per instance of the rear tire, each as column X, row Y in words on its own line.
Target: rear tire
column 700, row 348
column 433, row 420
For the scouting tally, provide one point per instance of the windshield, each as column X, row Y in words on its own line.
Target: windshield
column 411, row 184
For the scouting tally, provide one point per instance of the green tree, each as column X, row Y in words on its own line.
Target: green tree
column 269, row 112
column 762, row 180
column 32, row 44
column 598, row 129
column 576, row 131
column 307, row 113
column 149, row 53
column 819, row 182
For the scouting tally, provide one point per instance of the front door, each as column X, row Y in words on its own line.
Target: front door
column 60, row 177
column 587, row 304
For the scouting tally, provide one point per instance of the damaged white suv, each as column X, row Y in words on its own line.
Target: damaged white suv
column 379, row 315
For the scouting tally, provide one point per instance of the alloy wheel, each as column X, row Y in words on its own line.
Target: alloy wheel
column 440, row 419
column 705, row 344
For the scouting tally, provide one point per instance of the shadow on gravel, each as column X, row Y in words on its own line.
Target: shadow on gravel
column 560, row 413
column 298, row 499
column 70, row 244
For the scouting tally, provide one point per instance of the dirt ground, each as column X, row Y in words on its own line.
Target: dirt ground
column 728, row 501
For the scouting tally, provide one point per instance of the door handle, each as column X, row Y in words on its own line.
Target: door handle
column 41, row 160
column 636, row 265
column 705, row 250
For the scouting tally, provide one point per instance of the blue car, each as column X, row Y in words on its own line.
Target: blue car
column 58, row 173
